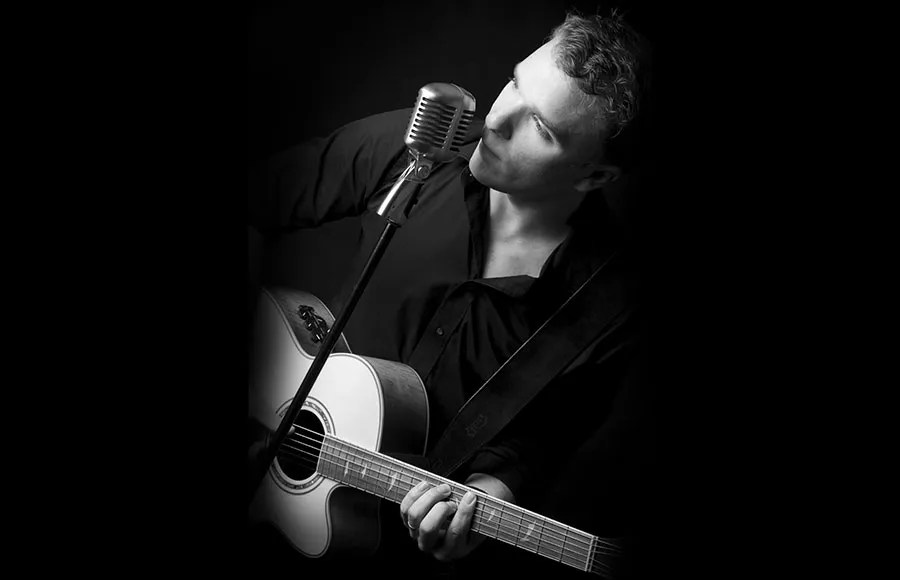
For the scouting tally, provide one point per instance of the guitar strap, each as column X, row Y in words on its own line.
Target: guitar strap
column 590, row 312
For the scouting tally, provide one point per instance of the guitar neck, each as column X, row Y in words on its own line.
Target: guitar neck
column 391, row 479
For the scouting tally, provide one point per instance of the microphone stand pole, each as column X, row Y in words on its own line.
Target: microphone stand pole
column 396, row 207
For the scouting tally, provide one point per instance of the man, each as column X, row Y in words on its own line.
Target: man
column 499, row 240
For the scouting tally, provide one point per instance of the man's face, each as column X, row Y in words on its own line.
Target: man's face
column 538, row 137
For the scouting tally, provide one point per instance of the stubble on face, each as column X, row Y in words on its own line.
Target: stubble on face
column 511, row 156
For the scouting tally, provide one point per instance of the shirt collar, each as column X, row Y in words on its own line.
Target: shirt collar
column 594, row 236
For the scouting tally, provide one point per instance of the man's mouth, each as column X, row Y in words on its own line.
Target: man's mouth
column 485, row 149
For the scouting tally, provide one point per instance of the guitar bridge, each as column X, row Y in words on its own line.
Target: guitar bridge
column 315, row 324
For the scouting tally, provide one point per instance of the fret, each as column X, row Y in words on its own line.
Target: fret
column 365, row 483
column 592, row 556
column 335, row 461
column 396, row 485
column 393, row 486
column 487, row 518
column 366, row 473
column 379, row 479
column 322, row 461
column 340, row 462
column 342, row 470
column 359, row 468
column 366, row 470
column 507, row 526
column 530, row 528
column 345, row 466
column 404, row 484
column 574, row 549
column 551, row 545
column 350, row 471
column 391, row 479
column 327, row 459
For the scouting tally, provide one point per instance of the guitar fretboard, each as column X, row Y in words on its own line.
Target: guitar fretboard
column 391, row 479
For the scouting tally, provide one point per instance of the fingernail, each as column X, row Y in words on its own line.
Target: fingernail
column 469, row 498
column 443, row 489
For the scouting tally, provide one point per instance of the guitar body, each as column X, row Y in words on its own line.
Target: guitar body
column 375, row 404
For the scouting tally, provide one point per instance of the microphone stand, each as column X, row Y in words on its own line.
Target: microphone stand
column 396, row 207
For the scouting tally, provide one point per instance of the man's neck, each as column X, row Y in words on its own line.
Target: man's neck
column 545, row 218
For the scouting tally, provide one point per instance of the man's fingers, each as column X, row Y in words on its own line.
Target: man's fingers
column 433, row 525
column 410, row 497
column 456, row 540
column 423, row 504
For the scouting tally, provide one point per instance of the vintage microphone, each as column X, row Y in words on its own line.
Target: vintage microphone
column 435, row 132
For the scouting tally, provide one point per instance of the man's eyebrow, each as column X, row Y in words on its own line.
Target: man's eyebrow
column 537, row 113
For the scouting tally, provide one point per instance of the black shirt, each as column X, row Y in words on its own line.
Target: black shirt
column 427, row 304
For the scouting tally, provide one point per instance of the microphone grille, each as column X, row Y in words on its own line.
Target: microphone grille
column 442, row 115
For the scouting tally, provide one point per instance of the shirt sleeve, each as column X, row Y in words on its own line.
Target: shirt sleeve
column 328, row 178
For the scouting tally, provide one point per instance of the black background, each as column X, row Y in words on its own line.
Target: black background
column 138, row 123
column 192, row 96
column 312, row 68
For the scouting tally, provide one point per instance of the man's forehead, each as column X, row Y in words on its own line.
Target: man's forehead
column 556, row 95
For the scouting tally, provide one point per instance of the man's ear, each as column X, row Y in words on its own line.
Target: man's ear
column 600, row 176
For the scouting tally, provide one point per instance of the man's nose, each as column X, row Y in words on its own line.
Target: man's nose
column 500, row 121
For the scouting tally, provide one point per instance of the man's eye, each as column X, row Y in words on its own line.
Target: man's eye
column 540, row 129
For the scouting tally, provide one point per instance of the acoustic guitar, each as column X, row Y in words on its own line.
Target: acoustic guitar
column 323, row 490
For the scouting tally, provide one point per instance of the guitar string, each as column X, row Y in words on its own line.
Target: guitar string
column 488, row 499
column 374, row 456
column 543, row 544
column 603, row 546
column 591, row 561
column 598, row 567
column 576, row 557
column 458, row 495
column 545, row 532
column 544, row 537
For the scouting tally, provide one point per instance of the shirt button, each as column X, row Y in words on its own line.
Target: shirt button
column 440, row 331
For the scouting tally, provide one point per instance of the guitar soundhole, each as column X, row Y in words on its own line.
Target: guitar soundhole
column 299, row 453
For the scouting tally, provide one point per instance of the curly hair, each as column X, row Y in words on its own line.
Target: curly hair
column 609, row 61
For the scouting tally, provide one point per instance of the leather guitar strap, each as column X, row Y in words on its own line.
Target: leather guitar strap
column 591, row 310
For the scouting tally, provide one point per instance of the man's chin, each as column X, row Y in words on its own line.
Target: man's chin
column 481, row 169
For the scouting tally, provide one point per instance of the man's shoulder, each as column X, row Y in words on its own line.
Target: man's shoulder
column 392, row 118
column 378, row 126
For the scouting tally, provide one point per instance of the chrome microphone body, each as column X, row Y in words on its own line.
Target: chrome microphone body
column 436, row 131
column 439, row 122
